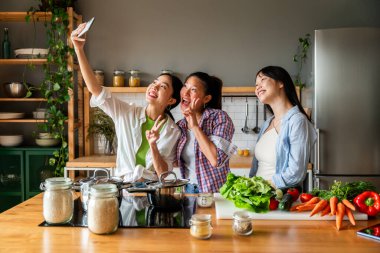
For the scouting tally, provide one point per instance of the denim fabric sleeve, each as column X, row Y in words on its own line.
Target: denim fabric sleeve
column 298, row 154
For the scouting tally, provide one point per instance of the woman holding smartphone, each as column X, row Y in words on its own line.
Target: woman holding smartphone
column 147, row 136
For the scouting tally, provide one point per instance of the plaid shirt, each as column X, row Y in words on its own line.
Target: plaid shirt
column 218, row 126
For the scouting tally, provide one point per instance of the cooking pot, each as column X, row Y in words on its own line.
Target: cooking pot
column 84, row 185
column 166, row 194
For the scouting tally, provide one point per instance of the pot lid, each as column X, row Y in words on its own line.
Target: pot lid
column 165, row 183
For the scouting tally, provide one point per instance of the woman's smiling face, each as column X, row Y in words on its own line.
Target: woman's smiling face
column 191, row 90
column 160, row 91
column 266, row 88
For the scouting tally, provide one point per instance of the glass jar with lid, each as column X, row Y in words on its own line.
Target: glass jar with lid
column 134, row 79
column 58, row 200
column 242, row 223
column 200, row 226
column 205, row 199
column 99, row 75
column 166, row 71
column 103, row 209
column 118, row 78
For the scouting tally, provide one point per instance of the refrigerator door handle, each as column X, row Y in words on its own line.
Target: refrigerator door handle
column 316, row 169
column 316, row 183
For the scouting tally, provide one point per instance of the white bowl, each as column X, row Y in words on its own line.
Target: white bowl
column 31, row 53
column 45, row 136
column 11, row 140
column 47, row 142
column 40, row 115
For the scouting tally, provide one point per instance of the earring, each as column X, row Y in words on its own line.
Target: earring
column 169, row 108
column 204, row 106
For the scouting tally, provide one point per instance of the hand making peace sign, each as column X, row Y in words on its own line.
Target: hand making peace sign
column 153, row 134
column 190, row 114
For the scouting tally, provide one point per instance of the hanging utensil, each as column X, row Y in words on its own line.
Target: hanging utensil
column 246, row 129
column 256, row 129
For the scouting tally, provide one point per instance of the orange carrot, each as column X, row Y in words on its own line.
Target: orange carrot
column 314, row 200
column 305, row 208
column 333, row 203
column 350, row 216
column 319, row 207
column 348, row 204
column 340, row 211
column 325, row 211
column 294, row 208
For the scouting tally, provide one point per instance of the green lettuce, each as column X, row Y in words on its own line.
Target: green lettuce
column 249, row 193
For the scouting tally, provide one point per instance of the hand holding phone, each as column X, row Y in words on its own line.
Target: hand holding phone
column 87, row 27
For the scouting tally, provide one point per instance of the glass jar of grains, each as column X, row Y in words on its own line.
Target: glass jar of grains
column 58, row 201
column 242, row 223
column 200, row 226
column 103, row 209
column 118, row 78
column 99, row 75
column 134, row 79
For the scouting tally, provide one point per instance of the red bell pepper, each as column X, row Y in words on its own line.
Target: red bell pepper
column 273, row 204
column 368, row 202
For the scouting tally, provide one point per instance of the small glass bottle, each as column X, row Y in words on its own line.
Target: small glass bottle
column 99, row 75
column 118, row 78
column 58, row 201
column 134, row 79
column 6, row 45
column 205, row 199
column 166, row 71
column 103, row 209
column 242, row 223
column 200, row 226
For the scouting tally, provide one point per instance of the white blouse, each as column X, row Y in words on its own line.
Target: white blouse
column 265, row 153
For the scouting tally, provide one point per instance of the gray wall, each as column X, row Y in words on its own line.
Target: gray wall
column 231, row 39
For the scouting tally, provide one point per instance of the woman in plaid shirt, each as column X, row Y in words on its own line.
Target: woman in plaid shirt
column 205, row 147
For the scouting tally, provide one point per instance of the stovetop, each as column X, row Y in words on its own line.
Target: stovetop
column 135, row 212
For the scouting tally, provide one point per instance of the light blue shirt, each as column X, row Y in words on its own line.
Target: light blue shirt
column 294, row 144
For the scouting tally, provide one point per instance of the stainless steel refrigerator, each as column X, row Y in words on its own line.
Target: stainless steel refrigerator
column 347, row 105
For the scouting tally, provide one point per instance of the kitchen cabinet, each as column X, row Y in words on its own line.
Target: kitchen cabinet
column 21, row 171
column 27, row 125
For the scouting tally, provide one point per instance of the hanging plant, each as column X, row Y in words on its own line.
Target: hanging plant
column 57, row 83
column 300, row 58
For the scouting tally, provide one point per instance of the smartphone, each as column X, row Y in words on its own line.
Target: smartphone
column 372, row 232
column 87, row 27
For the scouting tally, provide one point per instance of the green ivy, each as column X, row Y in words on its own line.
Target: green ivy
column 57, row 82
column 300, row 57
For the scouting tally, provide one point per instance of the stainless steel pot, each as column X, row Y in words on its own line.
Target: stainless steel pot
column 84, row 185
column 167, row 194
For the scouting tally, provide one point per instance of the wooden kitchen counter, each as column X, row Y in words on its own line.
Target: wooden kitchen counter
column 19, row 232
column 105, row 161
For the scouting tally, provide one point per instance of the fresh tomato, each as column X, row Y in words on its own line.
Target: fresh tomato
column 294, row 192
column 305, row 197
column 273, row 204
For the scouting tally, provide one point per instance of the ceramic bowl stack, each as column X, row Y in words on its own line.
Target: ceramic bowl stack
column 40, row 113
column 46, row 140
column 10, row 140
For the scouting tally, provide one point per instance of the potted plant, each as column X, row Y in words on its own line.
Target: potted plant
column 300, row 58
column 101, row 124
column 57, row 83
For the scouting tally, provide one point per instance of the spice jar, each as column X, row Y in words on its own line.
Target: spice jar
column 58, row 201
column 205, row 199
column 134, row 79
column 166, row 71
column 103, row 209
column 99, row 75
column 200, row 226
column 242, row 223
column 118, row 78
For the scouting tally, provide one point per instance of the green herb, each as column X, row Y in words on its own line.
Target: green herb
column 250, row 193
column 344, row 190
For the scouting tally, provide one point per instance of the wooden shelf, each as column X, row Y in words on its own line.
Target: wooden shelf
column 22, row 61
column 20, row 16
column 236, row 90
column 24, row 120
column 23, row 99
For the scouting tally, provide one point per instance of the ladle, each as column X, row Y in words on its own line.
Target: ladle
column 256, row 129
column 246, row 129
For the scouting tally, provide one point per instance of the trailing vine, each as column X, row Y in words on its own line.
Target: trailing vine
column 57, row 83
column 300, row 57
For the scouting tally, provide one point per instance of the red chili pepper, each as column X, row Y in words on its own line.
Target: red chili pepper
column 368, row 202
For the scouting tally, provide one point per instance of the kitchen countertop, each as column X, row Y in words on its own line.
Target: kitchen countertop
column 19, row 232
column 104, row 161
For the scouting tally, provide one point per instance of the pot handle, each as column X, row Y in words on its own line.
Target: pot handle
column 104, row 170
column 164, row 175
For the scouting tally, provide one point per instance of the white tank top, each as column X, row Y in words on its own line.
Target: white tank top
column 265, row 153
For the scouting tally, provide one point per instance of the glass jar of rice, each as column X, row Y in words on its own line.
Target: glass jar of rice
column 200, row 226
column 103, row 209
column 58, row 201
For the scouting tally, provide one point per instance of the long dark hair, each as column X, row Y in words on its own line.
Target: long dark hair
column 281, row 75
column 212, row 86
column 177, row 86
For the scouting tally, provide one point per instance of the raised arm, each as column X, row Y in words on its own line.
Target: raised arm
column 87, row 72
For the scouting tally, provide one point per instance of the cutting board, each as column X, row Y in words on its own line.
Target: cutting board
column 225, row 209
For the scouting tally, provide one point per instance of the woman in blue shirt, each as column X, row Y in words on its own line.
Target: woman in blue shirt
column 286, row 139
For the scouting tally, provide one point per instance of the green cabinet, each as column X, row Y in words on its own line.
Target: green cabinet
column 21, row 172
